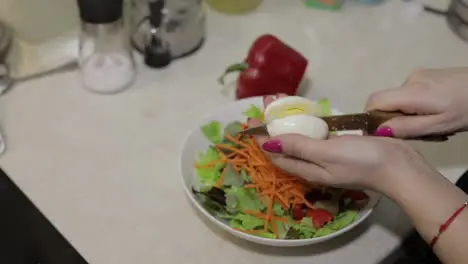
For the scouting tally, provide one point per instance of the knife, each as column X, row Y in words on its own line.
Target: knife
column 368, row 122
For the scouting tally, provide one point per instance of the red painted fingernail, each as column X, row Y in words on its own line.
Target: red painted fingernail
column 273, row 146
column 383, row 132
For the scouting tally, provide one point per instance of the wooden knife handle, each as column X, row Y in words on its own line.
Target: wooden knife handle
column 379, row 117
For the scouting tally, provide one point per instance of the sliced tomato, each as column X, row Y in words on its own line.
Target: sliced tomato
column 319, row 217
column 355, row 195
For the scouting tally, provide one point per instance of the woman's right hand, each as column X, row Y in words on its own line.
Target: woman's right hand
column 436, row 99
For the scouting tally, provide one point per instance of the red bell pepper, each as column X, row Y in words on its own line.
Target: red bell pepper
column 271, row 67
column 319, row 217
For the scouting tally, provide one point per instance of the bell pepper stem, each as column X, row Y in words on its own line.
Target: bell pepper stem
column 238, row 67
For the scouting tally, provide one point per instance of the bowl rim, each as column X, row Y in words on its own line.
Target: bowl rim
column 256, row 239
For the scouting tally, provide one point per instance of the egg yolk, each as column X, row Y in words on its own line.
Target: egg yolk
column 291, row 111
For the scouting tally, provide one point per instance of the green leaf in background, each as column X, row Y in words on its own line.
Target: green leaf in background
column 208, row 176
column 232, row 178
column 254, row 112
column 239, row 198
column 233, row 128
column 212, row 132
column 325, row 107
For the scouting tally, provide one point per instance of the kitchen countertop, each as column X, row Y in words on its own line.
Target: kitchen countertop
column 104, row 169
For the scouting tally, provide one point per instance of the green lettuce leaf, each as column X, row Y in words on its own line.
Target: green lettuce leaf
column 212, row 132
column 266, row 235
column 214, row 208
column 278, row 209
column 208, row 176
column 325, row 107
column 238, row 198
column 281, row 228
column 248, row 222
column 245, row 176
column 233, row 128
column 341, row 221
column 254, row 112
column 305, row 228
column 232, row 178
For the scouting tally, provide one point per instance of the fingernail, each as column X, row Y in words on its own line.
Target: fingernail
column 273, row 146
column 383, row 132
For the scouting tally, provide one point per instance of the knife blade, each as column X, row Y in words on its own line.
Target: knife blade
column 368, row 122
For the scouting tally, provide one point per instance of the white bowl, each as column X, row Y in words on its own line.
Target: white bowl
column 196, row 143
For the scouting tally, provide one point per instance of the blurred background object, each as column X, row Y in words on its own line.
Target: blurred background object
column 369, row 1
column 234, row 6
column 325, row 4
column 178, row 24
column 457, row 17
column 106, row 58
column 44, row 35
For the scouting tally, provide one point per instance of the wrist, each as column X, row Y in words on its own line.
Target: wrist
column 426, row 196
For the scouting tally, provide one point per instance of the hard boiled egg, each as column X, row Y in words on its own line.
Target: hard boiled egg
column 295, row 115
column 290, row 105
column 306, row 125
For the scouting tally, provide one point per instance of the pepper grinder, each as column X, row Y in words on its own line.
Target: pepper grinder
column 157, row 51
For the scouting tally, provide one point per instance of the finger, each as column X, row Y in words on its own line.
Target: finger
column 412, row 126
column 298, row 146
column 306, row 170
column 409, row 101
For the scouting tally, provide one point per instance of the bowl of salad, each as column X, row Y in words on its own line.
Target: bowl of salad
column 231, row 181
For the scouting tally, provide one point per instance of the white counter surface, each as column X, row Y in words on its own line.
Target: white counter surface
column 104, row 168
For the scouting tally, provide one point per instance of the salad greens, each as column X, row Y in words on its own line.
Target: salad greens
column 224, row 190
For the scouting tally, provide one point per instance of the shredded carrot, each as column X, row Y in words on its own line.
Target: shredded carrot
column 220, row 180
column 209, row 164
column 272, row 184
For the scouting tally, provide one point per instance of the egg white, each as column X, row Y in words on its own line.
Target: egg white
column 306, row 125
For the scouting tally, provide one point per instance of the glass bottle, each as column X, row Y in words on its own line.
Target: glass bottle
column 106, row 61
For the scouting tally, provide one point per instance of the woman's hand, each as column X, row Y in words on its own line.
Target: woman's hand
column 350, row 161
column 347, row 161
column 438, row 99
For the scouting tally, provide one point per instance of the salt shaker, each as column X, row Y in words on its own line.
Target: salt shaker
column 106, row 60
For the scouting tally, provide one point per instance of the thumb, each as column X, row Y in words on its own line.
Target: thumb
column 297, row 146
column 410, row 126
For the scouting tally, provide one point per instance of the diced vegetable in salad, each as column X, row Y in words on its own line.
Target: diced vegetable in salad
column 237, row 184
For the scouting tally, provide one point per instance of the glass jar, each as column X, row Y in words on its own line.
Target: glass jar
column 106, row 60
column 234, row 6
